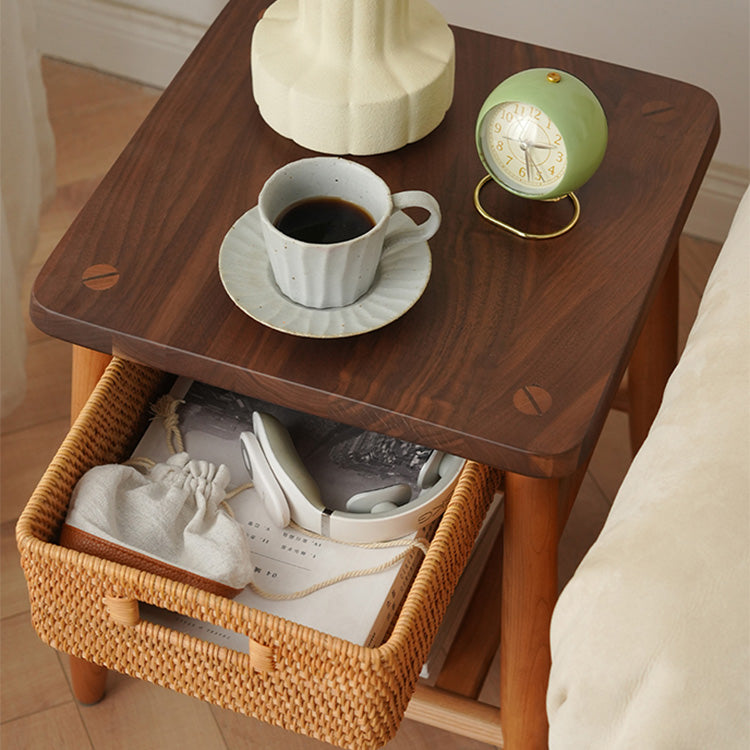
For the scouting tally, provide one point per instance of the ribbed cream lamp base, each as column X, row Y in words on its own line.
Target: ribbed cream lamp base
column 352, row 76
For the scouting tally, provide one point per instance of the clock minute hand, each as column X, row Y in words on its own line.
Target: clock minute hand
column 533, row 164
column 530, row 144
column 527, row 156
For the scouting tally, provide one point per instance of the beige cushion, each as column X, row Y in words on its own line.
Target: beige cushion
column 651, row 638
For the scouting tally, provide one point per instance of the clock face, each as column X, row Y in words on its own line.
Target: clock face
column 523, row 148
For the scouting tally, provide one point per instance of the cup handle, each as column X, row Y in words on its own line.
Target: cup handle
column 400, row 238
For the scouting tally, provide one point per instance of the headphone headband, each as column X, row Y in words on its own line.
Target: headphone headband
column 290, row 491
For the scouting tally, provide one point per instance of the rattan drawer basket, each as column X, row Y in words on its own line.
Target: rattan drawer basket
column 292, row 676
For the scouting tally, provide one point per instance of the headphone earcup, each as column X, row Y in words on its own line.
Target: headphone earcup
column 430, row 471
column 298, row 485
column 383, row 508
column 379, row 500
column 264, row 480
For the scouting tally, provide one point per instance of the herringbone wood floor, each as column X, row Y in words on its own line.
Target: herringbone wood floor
column 93, row 116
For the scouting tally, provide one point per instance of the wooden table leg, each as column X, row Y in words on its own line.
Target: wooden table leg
column 88, row 680
column 654, row 357
column 88, row 367
column 529, row 594
column 531, row 535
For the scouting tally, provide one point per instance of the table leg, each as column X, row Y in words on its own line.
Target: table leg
column 655, row 356
column 531, row 535
column 529, row 594
column 88, row 367
column 88, row 680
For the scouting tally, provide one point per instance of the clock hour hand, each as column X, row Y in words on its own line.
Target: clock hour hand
column 530, row 144
column 547, row 146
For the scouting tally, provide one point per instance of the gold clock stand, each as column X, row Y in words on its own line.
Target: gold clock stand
column 519, row 232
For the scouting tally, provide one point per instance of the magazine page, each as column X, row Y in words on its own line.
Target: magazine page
column 344, row 461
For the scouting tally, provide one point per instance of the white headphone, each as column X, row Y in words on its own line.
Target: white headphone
column 290, row 492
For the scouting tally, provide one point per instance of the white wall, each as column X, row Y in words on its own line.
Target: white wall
column 704, row 42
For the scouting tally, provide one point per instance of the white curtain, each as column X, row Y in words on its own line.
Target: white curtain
column 27, row 179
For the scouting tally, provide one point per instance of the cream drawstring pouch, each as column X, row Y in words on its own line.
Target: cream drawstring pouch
column 171, row 520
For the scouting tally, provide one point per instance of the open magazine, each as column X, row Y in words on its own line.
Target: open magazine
column 343, row 460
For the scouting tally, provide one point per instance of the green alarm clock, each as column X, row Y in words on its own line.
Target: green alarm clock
column 540, row 134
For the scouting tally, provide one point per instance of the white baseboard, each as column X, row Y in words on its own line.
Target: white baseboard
column 115, row 38
column 150, row 47
column 717, row 201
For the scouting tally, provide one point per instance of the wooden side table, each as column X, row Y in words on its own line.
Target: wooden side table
column 513, row 355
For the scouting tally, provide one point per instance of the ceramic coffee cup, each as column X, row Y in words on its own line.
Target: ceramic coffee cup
column 325, row 224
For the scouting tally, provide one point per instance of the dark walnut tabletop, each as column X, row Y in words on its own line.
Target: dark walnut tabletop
column 514, row 352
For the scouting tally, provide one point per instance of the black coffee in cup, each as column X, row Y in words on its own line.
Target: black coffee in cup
column 324, row 220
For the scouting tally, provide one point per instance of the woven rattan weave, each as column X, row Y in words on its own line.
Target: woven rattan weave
column 292, row 676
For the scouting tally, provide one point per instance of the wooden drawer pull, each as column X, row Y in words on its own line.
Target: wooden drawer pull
column 262, row 658
column 123, row 611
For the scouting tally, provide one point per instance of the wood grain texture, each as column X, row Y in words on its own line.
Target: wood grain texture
column 654, row 357
column 499, row 314
column 32, row 677
column 529, row 595
column 60, row 727
column 78, row 103
column 468, row 718
column 87, row 367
